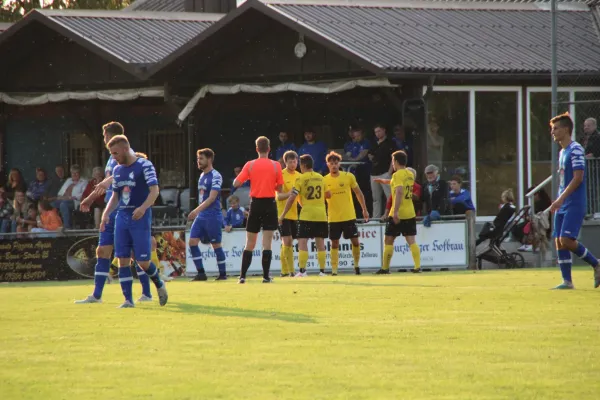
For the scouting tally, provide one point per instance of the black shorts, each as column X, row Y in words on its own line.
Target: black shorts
column 289, row 227
column 262, row 214
column 348, row 228
column 312, row 229
column 406, row 227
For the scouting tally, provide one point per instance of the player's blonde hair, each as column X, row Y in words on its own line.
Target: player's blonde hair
column 263, row 144
column 118, row 139
column 333, row 156
column 141, row 155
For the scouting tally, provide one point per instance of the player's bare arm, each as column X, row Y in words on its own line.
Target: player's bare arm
column 573, row 185
column 288, row 206
column 382, row 181
column 283, row 195
column 361, row 200
column 204, row 205
column 398, row 201
column 110, row 207
column 152, row 196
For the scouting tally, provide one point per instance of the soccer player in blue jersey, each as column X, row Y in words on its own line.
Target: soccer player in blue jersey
column 207, row 217
column 570, row 206
column 106, row 240
column 135, row 189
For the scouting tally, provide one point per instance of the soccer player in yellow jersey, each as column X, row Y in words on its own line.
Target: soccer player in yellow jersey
column 288, row 228
column 310, row 187
column 402, row 219
column 340, row 212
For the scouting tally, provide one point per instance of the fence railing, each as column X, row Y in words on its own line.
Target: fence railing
column 593, row 187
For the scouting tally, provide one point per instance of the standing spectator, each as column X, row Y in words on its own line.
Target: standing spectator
column 435, row 144
column 69, row 195
column 402, row 143
column 98, row 205
column 49, row 221
column 6, row 213
column 317, row 150
column 358, row 151
column 283, row 147
column 460, row 198
column 591, row 138
column 436, row 193
column 381, row 157
column 20, row 207
column 15, row 183
column 38, row 187
column 56, row 182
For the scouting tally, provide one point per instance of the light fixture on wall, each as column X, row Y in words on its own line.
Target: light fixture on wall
column 300, row 48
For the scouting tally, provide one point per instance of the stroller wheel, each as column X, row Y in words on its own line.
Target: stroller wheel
column 518, row 261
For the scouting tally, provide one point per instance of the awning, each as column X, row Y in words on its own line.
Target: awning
column 36, row 99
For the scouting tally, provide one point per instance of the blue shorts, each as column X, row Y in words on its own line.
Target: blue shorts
column 133, row 235
column 568, row 223
column 207, row 230
column 107, row 238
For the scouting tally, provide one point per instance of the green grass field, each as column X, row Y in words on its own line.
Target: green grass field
column 460, row 335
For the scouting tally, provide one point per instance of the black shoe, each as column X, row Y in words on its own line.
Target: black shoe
column 416, row 271
column 200, row 277
column 383, row 272
column 221, row 278
column 333, row 274
column 242, row 281
column 267, row 280
column 291, row 275
column 284, row 275
column 356, row 271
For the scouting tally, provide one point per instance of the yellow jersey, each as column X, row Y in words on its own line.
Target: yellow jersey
column 289, row 179
column 310, row 187
column 405, row 179
column 340, row 205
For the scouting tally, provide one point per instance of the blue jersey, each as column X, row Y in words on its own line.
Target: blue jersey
column 282, row 149
column 318, row 152
column 570, row 160
column 235, row 218
column 208, row 182
column 463, row 197
column 108, row 171
column 133, row 183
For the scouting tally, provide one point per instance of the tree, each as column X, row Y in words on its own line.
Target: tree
column 14, row 10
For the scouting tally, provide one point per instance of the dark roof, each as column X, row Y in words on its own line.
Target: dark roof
column 130, row 40
column 157, row 5
column 480, row 38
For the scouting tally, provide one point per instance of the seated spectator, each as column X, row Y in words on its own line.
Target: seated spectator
column 459, row 197
column 436, row 193
column 49, row 222
column 6, row 213
column 38, row 187
column 31, row 220
column 317, row 150
column 522, row 232
column 235, row 214
column 20, row 206
column 283, row 147
column 55, row 183
column 15, row 183
column 70, row 195
column 492, row 230
column 97, row 207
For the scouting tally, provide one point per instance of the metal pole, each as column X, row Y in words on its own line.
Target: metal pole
column 554, row 82
column 191, row 162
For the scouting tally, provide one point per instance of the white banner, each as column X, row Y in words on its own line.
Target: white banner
column 444, row 244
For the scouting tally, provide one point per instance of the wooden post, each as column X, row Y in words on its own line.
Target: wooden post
column 471, row 237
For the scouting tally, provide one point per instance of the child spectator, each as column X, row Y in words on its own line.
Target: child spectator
column 459, row 197
column 49, row 221
column 235, row 214
column 30, row 221
column 6, row 213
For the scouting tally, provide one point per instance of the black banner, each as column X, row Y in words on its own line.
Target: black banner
column 44, row 259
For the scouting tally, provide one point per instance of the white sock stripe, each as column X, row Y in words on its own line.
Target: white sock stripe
column 129, row 278
column 197, row 258
column 565, row 261
column 101, row 273
column 221, row 262
column 585, row 253
column 142, row 272
column 154, row 274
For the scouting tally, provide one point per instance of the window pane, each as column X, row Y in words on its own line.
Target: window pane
column 81, row 152
column 496, row 143
column 167, row 151
column 540, row 106
column 448, row 138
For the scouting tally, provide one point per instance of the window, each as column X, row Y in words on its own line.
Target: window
column 83, row 153
column 167, row 151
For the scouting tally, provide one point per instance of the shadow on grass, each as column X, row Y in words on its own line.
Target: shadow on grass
column 219, row 311
column 369, row 284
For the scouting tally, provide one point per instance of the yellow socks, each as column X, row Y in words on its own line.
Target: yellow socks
column 388, row 252
column 356, row 255
column 289, row 258
column 335, row 260
column 322, row 258
column 284, row 263
column 416, row 255
column 302, row 259
column 154, row 259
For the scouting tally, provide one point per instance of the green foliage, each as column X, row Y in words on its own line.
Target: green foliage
column 14, row 10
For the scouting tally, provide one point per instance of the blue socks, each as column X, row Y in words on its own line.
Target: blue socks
column 126, row 280
column 197, row 258
column 100, row 276
column 565, row 263
column 585, row 255
column 221, row 261
column 153, row 274
column 144, row 280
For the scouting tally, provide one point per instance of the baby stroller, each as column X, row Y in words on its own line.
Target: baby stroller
column 493, row 251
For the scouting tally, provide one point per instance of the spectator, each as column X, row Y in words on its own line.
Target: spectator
column 381, row 157
column 6, row 213
column 38, row 187
column 56, row 182
column 15, row 183
column 317, row 150
column 522, row 232
column 31, row 219
column 436, row 193
column 98, row 205
column 460, row 198
column 358, row 151
column 591, row 138
column 435, row 144
column 70, row 195
column 49, row 221
column 235, row 214
column 283, row 147
column 492, row 230
column 402, row 143
column 20, row 206
column 242, row 192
